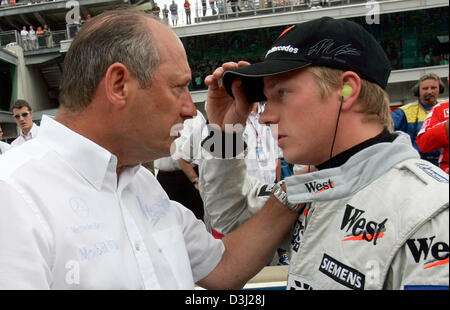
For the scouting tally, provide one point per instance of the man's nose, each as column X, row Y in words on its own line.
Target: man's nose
column 188, row 110
column 268, row 116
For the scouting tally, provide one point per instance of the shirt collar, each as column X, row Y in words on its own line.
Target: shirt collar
column 32, row 133
column 426, row 107
column 90, row 160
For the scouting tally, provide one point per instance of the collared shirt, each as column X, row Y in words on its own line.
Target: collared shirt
column 188, row 145
column 263, row 150
column 4, row 147
column 68, row 222
column 24, row 138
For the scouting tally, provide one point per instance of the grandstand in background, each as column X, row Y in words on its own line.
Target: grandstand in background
column 414, row 34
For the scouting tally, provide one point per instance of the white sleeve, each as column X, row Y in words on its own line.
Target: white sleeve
column 204, row 251
column 230, row 196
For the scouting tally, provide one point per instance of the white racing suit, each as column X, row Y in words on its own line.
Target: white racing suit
column 379, row 221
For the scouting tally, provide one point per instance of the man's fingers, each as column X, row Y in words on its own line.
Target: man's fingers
column 242, row 106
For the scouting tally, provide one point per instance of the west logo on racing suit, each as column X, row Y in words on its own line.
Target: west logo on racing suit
column 319, row 187
column 361, row 228
column 421, row 248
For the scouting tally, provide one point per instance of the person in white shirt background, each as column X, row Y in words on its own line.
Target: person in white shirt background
column 78, row 211
column 178, row 173
column 23, row 116
column 3, row 145
column 263, row 158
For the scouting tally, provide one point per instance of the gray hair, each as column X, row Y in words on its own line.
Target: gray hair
column 114, row 36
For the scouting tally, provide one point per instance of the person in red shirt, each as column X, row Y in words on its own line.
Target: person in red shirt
column 187, row 8
column 434, row 133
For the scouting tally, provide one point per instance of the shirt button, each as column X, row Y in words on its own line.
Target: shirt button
column 137, row 247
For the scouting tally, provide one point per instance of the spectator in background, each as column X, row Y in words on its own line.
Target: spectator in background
column 25, row 38
column 181, row 184
column 48, row 37
column 156, row 10
column 263, row 158
column 4, row 2
column 409, row 118
column 3, row 145
column 213, row 9
column 204, row 7
column 187, row 9
column 434, row 134
column 428, row 59
column 174, row 12
column 23, row 116
column 165, row 12
column 32, row 38
column 250, row 5
column 234, row 5
column 222, row 6
column 40, row 37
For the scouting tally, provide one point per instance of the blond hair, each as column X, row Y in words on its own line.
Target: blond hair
column 373, row 101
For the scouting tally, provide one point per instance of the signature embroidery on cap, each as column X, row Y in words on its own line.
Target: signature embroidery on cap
column 326, row 47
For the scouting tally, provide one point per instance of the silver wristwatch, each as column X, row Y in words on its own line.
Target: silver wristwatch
column 281, row 195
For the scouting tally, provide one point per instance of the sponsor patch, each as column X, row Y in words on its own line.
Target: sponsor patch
column 360, row 228
column 342, row 273
column 297, row 235
column 429, row 252
column 438, row 176
column 319, row 187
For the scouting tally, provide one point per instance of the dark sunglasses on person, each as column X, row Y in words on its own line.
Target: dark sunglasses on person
column 24, row 114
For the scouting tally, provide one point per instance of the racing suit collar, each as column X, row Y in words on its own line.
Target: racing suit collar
column 341, row 158
column 357, row 172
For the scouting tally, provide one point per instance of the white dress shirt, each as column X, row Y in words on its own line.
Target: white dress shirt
column 24, row 138
column 263, row 150
column 68, row 222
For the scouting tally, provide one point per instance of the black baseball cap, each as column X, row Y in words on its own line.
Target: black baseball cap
column 335, row 43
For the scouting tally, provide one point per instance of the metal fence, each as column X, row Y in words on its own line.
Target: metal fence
column 204, row 10
column 50, row 41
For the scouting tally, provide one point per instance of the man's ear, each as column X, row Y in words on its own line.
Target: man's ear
column 117, row 84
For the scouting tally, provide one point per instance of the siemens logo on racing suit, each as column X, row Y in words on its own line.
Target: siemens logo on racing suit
column 361, row 229
column 341, row 273
column 420, row 248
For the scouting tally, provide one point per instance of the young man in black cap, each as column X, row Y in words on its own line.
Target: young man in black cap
column 359, row 225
